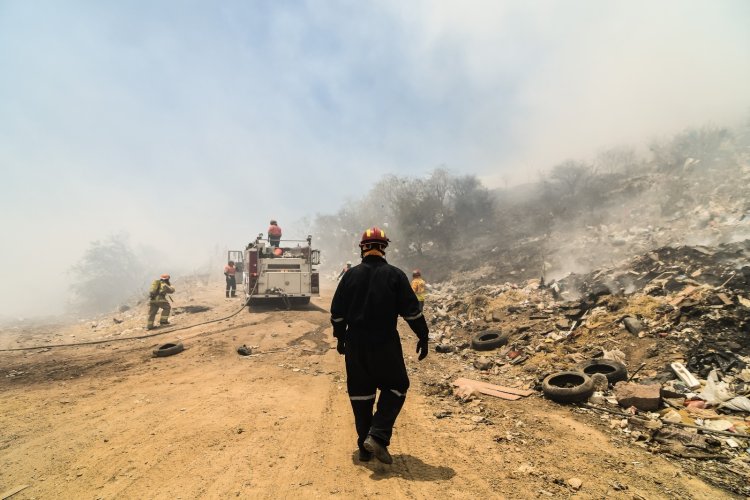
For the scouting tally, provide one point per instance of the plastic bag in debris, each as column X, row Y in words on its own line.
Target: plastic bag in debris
column 715, row 392
column 614, row 355
column 740, row 403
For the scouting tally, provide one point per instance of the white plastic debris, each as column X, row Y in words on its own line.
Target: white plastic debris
column 718, row 425
column 715, row 392
column 732, row 443
column 683, row 374
column 740, row 403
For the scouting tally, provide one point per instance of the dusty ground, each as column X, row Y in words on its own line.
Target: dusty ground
column 111, row 421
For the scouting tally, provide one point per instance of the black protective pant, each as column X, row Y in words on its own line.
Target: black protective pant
column 231, row 285
column 370, row 367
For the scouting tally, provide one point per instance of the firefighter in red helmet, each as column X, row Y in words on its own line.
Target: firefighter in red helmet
column 364, row 313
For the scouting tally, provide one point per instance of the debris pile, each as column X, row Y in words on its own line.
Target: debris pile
column 676, row 318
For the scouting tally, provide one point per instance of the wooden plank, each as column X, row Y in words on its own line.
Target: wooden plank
column 498, row 394
column 467, row 386
column 493, row 387
column 12, row 492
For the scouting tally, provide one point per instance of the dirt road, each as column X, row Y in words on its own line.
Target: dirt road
column 111, row 421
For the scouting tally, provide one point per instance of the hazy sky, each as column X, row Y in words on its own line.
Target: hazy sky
column 190, row 124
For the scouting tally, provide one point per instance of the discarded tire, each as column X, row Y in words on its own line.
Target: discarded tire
column 568, row 387
column 488, row 340
column 614, row 370
column 168, row 350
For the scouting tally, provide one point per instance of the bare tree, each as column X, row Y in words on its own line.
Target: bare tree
column 572, row 175
column 620, row 159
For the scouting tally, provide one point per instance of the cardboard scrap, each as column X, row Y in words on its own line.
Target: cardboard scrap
column 685, row 293
column 498, row 391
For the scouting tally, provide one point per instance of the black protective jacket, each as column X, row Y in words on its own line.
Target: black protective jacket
column 368, row 301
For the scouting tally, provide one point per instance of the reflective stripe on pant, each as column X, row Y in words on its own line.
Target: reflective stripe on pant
column 372, row 367
column 153, row 308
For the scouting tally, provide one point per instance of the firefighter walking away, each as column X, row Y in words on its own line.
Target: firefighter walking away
column 158, row 300
column 364, row 314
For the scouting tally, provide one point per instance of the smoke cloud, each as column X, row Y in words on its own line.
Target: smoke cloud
column 188, row 126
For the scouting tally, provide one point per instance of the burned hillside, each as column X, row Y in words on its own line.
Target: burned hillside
column 581, row 215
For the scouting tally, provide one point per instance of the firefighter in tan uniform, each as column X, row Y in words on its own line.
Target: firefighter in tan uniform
column 158, row 300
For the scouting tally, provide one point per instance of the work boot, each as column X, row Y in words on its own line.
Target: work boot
column 233, row 295
column 150, row 327
column 380, row 451
column 227, row 293
column 163, row 323
column 364, row 455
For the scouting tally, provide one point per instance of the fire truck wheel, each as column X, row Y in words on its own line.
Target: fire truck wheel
column 568, row 387
column 613, row 370
column 488, row 340
column 168, row 350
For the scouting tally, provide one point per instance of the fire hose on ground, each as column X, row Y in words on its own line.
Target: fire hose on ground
column 139, row 337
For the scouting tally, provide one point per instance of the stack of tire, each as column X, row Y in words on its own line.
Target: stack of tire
column 576, row 386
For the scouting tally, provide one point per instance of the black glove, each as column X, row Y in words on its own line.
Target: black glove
column 339, row 331
column 419, row 326
column 422, row 348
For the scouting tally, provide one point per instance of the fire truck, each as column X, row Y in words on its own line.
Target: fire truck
column 283, row 273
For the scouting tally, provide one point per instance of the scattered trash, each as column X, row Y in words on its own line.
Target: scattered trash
column 673, row 315
column 633, row 325
column 687, row 378
column 740, row 403
column 715, row 392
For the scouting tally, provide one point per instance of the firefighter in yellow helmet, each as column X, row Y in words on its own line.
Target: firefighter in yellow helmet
column 365, row 308
column 158, row 300
column 419, row 287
